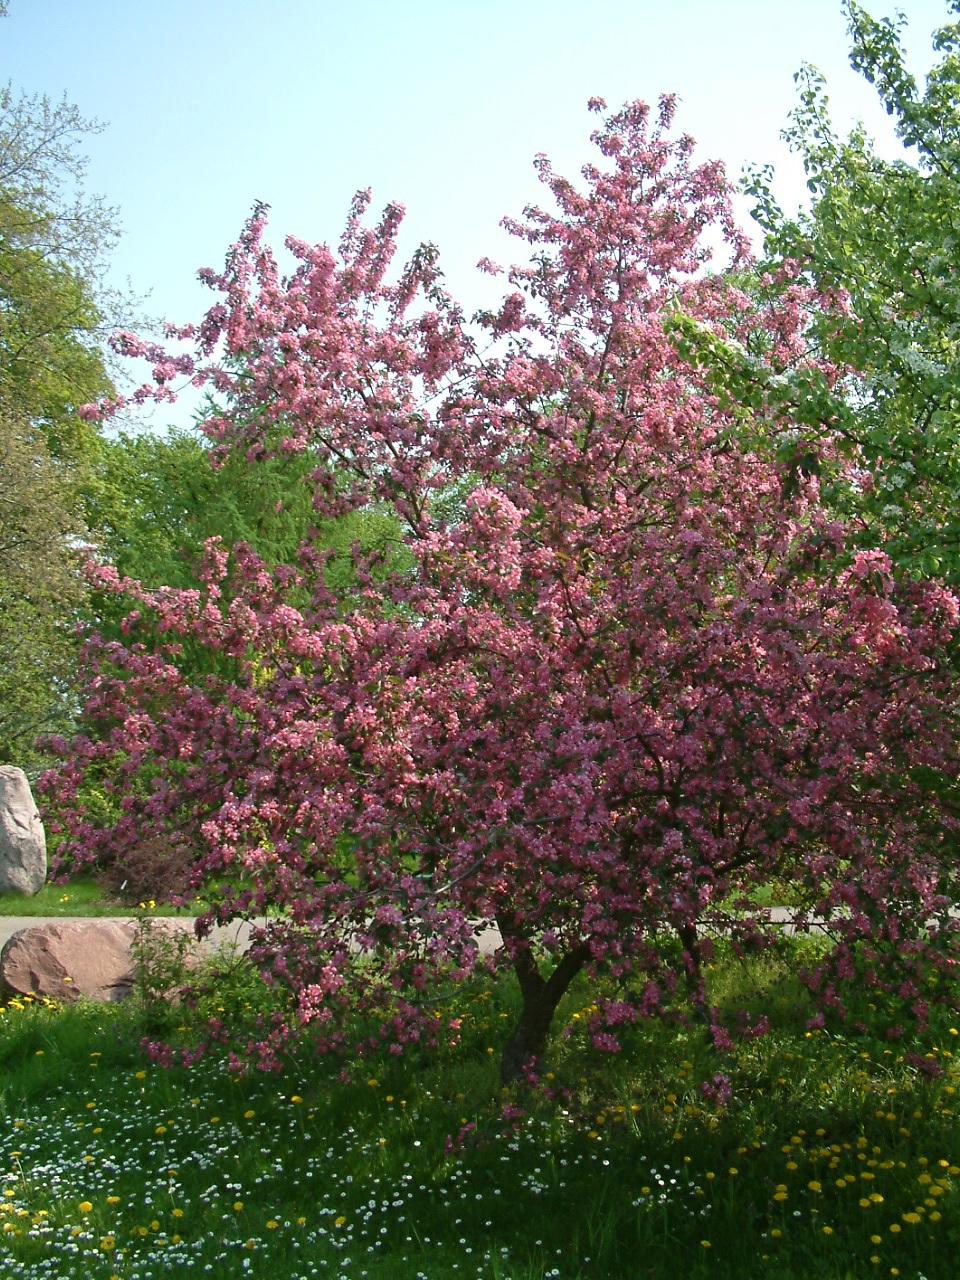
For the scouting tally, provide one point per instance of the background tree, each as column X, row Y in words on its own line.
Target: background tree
column 628, row 675
column 881, row 238
column 42, row 593
column 55, row 313
column 55, row 242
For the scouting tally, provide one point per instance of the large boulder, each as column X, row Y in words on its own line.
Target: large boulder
column 23, row 846
column 65, row 959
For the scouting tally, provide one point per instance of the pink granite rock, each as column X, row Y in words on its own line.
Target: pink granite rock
column 71, row 958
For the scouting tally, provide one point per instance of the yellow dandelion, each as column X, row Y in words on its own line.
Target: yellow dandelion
column 339, row 1222
column 85, row 1206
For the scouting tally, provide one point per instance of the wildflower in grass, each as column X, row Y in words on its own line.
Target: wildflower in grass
column 272, row 1224
column 895, row 1228
column 815, row 1186
column 108, row 1244
column 84, row 1206
column 340, row 1222
column 296, row 1099
column 912, row 1218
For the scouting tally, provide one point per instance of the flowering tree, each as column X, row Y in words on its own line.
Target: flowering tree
column 622, row 672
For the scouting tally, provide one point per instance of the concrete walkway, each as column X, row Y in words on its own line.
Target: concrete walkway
column 239, row 932
column 236, row 934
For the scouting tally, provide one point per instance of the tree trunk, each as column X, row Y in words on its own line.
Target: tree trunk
column 527, row 1042
column 695, row 985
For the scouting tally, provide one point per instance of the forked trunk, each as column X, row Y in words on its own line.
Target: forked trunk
column 693, row 964
column 528, row 1040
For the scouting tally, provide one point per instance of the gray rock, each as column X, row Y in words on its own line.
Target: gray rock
column 23, row 846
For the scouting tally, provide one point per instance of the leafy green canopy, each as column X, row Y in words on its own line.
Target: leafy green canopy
column 882, row 237
column 41, row 593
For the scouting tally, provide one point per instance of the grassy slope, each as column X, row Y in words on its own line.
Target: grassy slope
column 833, row 1157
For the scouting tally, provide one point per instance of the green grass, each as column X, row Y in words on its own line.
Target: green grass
column 83, row 896
column 420, row 1166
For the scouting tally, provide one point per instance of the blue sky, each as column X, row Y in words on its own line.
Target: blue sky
column 211, row 104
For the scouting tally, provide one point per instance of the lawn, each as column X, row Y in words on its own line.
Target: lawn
column 82, row 896
column 797, row 1154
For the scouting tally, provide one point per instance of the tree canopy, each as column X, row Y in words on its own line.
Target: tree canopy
column 53, row 241
column 635, row 668
column 881, row 237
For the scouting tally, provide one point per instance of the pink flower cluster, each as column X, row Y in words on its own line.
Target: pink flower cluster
column 624, row 671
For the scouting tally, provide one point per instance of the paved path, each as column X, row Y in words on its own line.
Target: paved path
column 237, row 933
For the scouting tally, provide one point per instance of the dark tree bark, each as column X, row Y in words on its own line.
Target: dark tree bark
column 693, row 961
column 540, row 996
